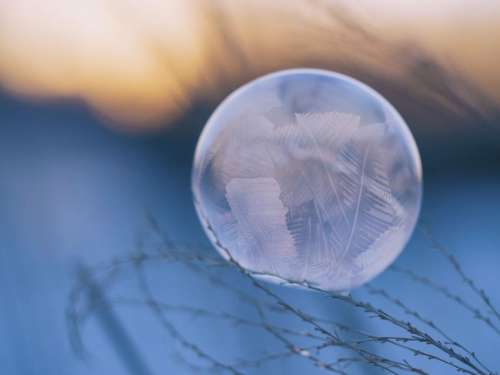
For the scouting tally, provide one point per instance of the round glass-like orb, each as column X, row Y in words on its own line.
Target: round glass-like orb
column 308, row 176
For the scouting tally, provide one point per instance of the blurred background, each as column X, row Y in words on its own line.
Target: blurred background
column 101, row 104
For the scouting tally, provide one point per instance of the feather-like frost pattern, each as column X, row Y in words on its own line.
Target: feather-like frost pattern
column 314, row 192
column 260, row 219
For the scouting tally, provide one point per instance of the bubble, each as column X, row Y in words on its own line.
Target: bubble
column 308, row 176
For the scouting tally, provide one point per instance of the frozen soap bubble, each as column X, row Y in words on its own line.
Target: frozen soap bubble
column 308, row 176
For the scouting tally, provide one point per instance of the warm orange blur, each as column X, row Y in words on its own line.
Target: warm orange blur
column 141, row 63
column 133, row 61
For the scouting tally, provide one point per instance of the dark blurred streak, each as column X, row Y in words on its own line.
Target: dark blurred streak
column 452, row 119
column 225, row 37
column 111, row 325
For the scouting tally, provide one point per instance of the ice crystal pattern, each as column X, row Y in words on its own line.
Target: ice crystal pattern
column 306, row 175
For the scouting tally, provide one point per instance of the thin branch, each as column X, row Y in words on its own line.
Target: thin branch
column 458, row 268
column 425, row 281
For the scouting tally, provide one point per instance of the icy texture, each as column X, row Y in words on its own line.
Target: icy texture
column 309, row 176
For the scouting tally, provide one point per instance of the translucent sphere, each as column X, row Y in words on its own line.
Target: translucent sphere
column 308, row 176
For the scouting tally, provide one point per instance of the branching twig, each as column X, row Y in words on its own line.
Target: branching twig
column 322, row 333
column 481, row 293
